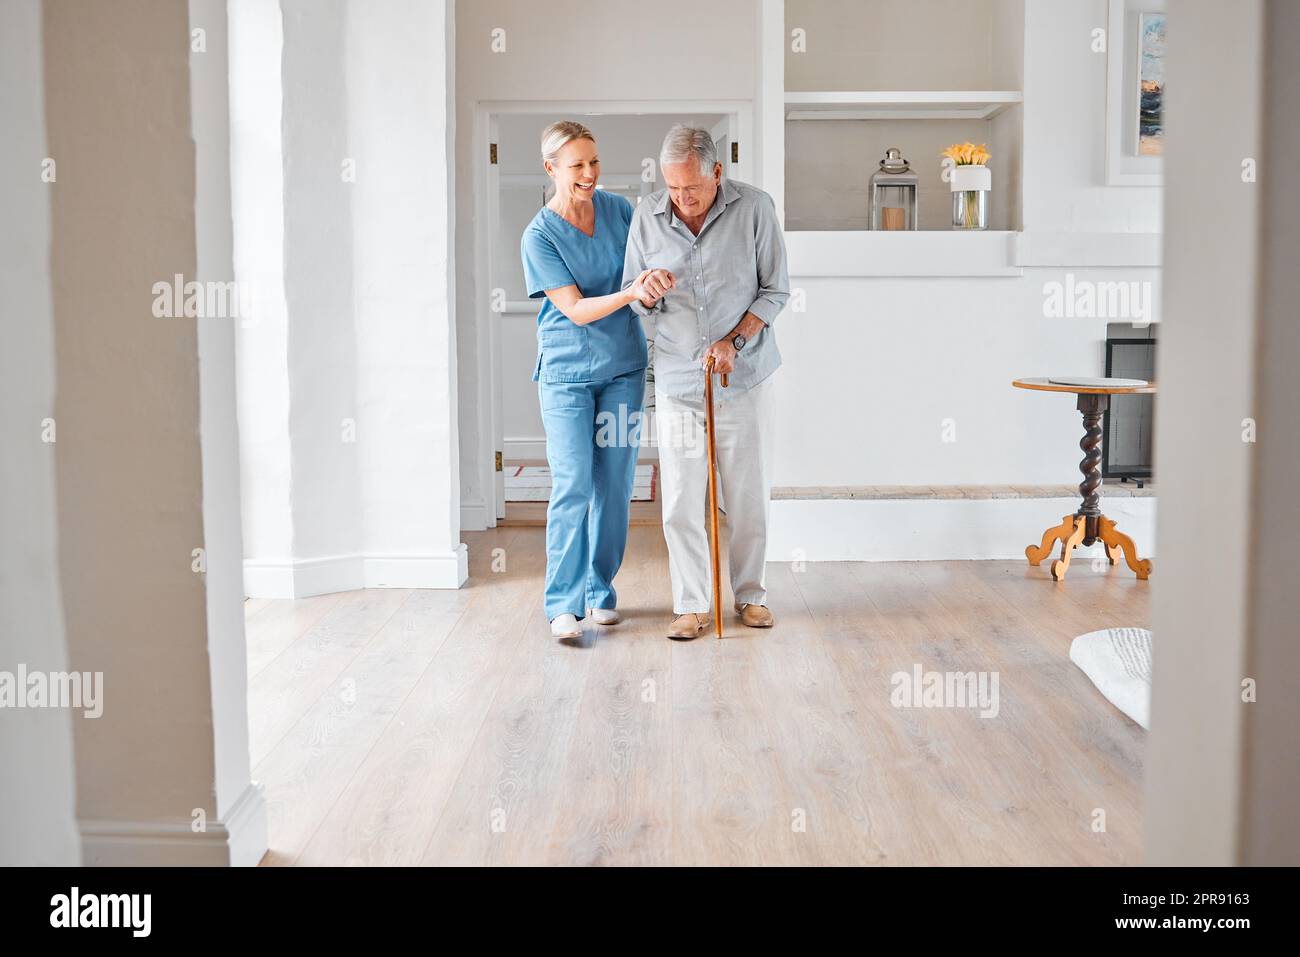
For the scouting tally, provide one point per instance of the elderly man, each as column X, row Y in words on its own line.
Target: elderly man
column 720, row 282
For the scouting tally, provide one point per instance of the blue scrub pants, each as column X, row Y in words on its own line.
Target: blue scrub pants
column 593, row 430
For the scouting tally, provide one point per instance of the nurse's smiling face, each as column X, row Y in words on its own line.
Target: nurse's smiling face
column 576, row 170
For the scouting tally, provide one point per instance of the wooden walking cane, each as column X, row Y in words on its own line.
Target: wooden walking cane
column 713, row 495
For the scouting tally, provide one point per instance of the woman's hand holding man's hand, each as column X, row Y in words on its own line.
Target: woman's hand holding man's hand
column 652, row 285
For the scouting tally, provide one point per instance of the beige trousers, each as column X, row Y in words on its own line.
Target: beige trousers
column 744, row 446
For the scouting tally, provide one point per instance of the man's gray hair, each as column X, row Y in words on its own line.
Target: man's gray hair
column 684, row 142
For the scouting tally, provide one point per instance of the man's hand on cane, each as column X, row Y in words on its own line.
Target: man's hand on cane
column 723, row 354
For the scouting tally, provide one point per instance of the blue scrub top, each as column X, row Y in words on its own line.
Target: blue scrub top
column 556, row 253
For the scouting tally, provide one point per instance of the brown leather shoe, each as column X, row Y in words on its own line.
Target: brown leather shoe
column 688, row 626
column 756, row 616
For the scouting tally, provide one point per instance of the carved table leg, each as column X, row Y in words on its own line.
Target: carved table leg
column 1062, row 564
column 1050, row 538
column 1118, row 540
column 1093, row 408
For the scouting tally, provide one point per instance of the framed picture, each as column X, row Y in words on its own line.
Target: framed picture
column 1135, row 84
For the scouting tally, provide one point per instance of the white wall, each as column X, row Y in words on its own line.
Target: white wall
column 38, row 799
column 238, row 802
column 343, row 204
column 319, row 281
column 262, row 337
column 1065, row 112
column 875, row 368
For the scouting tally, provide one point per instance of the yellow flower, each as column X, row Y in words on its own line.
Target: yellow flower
column 968, row 154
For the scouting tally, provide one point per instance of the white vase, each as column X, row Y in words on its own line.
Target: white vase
column 971, row 177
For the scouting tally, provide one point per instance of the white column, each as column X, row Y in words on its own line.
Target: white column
column 348, row 371
column 262, row 335
column 769, row 149
column 401, row 124
column 239, row 803
column 319, row 281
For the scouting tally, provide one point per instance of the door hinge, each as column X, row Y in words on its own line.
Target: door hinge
column 499, row 465
column 492, row 153
column 735, row 152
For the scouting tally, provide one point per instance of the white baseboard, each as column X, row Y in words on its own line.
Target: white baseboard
column 246, row 825
column 304, row 577
column 266, row 579
column 891, row 530
column 418, row 571
column 324, row 576
column 524, row 449
column 239, row 841
column 474, row 517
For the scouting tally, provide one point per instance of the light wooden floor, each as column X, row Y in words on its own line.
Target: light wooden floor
column 435, row 727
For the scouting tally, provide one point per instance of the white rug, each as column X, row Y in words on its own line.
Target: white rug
column 532, row 483
column 1118, row 662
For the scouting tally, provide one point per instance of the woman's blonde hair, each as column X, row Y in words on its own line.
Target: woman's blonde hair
column 557, row 134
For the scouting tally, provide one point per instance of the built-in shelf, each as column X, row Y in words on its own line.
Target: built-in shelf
column 910, row 254
column 899, row 105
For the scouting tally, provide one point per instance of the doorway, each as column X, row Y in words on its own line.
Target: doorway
column 512, row 187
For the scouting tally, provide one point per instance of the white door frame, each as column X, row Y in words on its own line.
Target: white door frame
column 487, row 333
column 721, row 132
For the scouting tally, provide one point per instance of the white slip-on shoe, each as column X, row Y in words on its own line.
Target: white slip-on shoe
column 565, row 626
column 603, row 616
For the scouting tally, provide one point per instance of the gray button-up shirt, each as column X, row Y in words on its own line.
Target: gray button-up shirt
column 735, row 265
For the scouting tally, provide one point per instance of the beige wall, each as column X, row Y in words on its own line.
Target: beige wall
column 1270, row 830
column 1207, row 374
column 133, row 505
column 1222, row 772
column 883, row 45
column 129, row 476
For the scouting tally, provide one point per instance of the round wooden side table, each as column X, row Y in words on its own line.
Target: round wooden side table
column 1088, row 524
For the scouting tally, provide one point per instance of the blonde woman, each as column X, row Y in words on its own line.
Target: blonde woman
column 590, row 374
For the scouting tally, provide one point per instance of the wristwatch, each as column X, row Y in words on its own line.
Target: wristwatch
column 738, row 341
